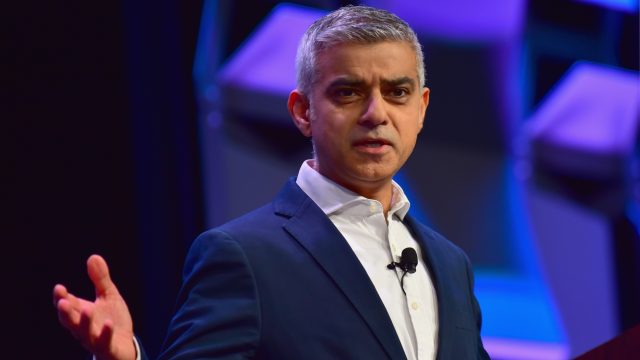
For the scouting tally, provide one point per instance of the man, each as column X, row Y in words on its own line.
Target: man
column 307, row 276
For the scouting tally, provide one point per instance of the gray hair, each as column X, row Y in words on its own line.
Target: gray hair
column 351, row 24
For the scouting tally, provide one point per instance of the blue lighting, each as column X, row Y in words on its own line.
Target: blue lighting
column 416, row 210
column 622, row 5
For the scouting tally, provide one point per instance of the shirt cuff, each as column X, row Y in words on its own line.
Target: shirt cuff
column 135, row 343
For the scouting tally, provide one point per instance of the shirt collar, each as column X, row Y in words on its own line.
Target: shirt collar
column 331, row 197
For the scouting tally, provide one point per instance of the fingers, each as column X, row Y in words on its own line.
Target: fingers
column 75, row 314
column 99, row 275
column 68, row 306
column 85, row 325
column 59, row 292
column 94, row 336
column 102, row 343
column 67, row 315
column 92, row 322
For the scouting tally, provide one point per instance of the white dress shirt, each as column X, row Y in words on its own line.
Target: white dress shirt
column 377, row 241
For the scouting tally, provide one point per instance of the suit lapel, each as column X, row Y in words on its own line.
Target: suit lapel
column 317, row 234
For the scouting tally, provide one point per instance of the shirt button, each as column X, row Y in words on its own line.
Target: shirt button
column 372, row 206
column 414, row 305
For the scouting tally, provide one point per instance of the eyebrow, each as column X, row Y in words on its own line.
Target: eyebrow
column 346, row 81
column 405, row 80
column 354, row 82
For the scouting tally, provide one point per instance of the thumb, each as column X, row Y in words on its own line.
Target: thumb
column 99, row 275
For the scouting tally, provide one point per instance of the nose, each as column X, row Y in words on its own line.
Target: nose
column 375, row 113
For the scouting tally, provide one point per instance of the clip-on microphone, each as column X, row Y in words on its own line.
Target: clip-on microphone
column 408, row 263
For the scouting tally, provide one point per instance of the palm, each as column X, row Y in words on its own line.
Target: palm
column 104, row 326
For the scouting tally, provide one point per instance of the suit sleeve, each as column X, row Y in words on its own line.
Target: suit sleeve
column 481, row 353
column 217, row 313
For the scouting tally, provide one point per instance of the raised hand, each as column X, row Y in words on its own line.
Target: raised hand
column 104, row 326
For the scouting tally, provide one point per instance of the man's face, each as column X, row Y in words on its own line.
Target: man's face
column 365, row 111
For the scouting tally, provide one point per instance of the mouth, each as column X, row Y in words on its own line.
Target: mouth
column 372, row 145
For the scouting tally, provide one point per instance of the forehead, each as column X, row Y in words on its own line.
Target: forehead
column 386, row 60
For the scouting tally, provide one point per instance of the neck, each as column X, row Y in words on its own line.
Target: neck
column 381, row 190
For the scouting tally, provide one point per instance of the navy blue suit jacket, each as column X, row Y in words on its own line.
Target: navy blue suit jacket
column 282, row 283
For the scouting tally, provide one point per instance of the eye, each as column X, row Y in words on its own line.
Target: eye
column 398, row 95
column 399, row 92
column 345, row 95
column 345, row 92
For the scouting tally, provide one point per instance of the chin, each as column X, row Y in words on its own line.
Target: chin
column 375, row 174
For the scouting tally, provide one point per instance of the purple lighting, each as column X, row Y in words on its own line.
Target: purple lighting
column 466, row 20
column 524, row 350
column 266, row 61
column 593, row 109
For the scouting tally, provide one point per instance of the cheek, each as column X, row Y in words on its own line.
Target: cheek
column 332, row 127
column 325, row 134
column 409, row 138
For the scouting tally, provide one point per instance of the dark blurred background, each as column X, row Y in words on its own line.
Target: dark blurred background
column 110, row 137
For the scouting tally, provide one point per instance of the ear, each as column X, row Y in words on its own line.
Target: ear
column 424, row 103
column 298, row 105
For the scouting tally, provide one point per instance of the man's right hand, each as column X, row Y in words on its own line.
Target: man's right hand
column 104, row 326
